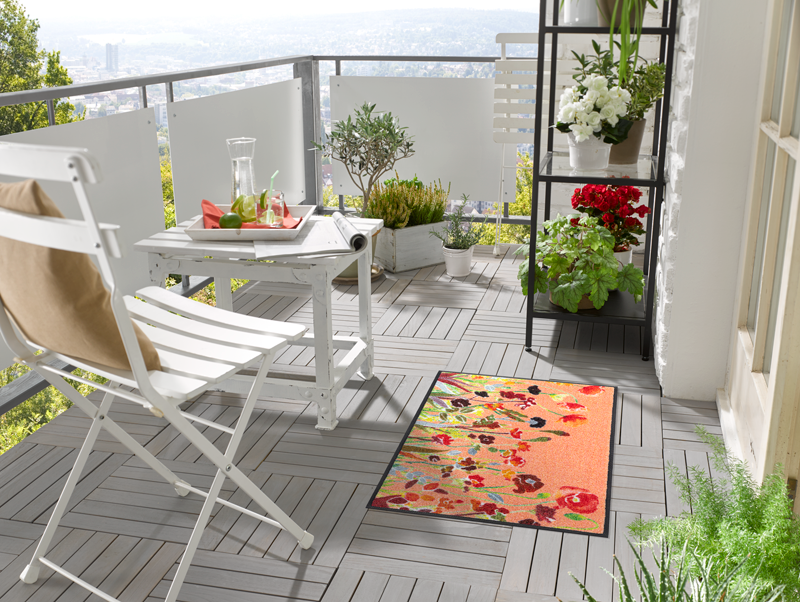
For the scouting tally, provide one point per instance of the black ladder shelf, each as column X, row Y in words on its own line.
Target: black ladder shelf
column 553, row 166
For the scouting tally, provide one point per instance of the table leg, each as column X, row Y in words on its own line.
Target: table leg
column 365, row 311
column 323, row 348
column 222, row 288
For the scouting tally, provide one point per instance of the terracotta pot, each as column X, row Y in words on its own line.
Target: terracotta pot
column 605, row 8
column 627, row 151
column 584, row 303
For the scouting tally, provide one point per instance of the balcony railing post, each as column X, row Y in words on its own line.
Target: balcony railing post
column 170, row 92
column 51, row 112
column 308, row 72
column 142, row 97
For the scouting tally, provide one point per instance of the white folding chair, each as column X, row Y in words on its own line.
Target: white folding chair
column 197, row 345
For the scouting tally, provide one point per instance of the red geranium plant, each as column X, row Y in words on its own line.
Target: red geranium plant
column 615, row 207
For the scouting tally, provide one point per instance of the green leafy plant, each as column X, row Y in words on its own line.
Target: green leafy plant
column 600, row 63
column 458, row 235
column 575, row 257
column 668, row 584
column 646, row 86
column 630, row 33
column 734, row 521
column 368, row 146
column 405, row 203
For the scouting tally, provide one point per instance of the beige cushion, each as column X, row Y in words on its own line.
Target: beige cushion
column 57, row 298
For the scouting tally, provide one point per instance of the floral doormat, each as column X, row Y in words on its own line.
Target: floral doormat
column 524, row 452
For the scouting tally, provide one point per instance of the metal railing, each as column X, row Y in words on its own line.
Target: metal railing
column 305, row 67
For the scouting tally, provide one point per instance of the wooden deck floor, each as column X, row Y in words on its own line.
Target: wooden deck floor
column 126, row 528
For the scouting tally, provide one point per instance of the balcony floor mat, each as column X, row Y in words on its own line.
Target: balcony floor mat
column 492, row 449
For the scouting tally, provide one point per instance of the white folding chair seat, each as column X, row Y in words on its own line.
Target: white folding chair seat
column 198, row 347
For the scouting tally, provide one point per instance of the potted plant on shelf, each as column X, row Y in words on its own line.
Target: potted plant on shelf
column 575, row 263
column 410, row 211
column 458, row 240
column 626, row 17
column 615, row 209
column 646, row 86
column 368, row 147
column 591, row 114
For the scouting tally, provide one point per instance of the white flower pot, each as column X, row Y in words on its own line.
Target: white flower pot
column 457, row 262
column 589, row 154
column 580, row 13
column 624, row 257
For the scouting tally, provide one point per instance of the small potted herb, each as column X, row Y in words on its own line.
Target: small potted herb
column 575, row 263
column 458, row 240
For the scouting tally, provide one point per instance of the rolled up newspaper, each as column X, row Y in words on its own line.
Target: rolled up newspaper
column 352, row 236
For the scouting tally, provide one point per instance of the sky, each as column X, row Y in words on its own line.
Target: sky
column 102, row 10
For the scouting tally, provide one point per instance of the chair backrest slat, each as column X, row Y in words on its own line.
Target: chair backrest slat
column 48, row 163
column 56, row 233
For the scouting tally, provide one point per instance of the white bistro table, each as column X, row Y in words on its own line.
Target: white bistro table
column 173, row 252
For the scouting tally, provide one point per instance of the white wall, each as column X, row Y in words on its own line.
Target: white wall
column 711, row 140
column 450, row 120
column 198, row 128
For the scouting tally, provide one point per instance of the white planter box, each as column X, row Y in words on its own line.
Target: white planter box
column 409, row 248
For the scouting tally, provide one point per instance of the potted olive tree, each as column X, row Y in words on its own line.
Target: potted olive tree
column 575, row 263
column 368, row 147
column 458, row 240
column 410, row 211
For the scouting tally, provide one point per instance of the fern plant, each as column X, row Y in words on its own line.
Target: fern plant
column 678, row 584
column 734, row 521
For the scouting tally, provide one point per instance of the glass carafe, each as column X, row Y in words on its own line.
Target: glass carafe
column 241, row 151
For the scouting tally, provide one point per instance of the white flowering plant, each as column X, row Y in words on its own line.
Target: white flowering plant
column 592, row 108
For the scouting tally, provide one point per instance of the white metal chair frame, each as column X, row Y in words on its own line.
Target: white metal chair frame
column 198, row 348
column 508, row 118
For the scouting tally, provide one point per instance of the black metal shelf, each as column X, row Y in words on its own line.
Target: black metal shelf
column 621, row 307
column 656, row 31
column 553, row 167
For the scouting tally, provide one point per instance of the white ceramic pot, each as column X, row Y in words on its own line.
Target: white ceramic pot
column 457, row 262
column 580, row 13
column 588, row 154
column 624, row 257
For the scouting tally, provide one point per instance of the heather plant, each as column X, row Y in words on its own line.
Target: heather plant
column 406, row 203
column 734, row 521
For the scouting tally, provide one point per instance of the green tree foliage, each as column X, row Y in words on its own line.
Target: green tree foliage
column 34, row 413
column 166, row 188
column 24, row 67
column 734, row 520
column 514, row 233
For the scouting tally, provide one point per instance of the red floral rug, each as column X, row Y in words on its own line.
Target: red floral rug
column 526, row 452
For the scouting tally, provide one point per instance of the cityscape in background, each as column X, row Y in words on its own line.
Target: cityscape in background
column 105, row 51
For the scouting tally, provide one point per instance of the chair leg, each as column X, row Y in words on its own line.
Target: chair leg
column 118, row 432
column 31, row 572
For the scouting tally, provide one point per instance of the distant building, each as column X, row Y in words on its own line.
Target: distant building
column 112, row 57
column 161, row 114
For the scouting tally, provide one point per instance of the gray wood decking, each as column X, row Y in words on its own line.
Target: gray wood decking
column 126, row 528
